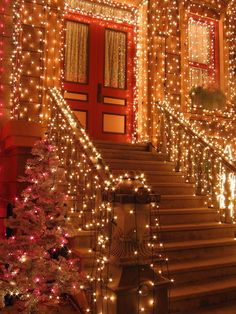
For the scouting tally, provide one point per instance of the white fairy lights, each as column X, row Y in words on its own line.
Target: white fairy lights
column 158, row 43
column 68, row 133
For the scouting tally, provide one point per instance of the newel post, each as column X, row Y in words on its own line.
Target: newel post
column 136, row 286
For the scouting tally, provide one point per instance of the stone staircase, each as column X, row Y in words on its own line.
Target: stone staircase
column 200, row 249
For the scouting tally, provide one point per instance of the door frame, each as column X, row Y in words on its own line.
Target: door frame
column 131, row 82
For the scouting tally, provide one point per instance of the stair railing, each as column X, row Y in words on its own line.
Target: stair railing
column 85, row 174
column 202, row 163
column 93, row 191
column 85, row 179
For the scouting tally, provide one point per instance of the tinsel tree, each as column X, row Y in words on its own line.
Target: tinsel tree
column 35, row 262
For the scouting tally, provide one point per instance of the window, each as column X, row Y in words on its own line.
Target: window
column 76, row 54
column 203, row 51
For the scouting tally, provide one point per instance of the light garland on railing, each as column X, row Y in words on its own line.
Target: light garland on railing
column 207, row 164
column 201, row 132
column 79, row 168
column 69, row 131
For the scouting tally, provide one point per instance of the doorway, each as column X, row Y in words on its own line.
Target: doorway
column 99, row 76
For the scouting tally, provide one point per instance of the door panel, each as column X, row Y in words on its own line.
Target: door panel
column 99, row 81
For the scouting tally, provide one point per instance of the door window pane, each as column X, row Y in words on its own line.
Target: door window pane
column 115, row 59
column 76, row 54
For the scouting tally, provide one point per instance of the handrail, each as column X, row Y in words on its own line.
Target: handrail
column 91, row 191
column 86, row 179
column 79, row 132
column 203, row 163
column 202, row 137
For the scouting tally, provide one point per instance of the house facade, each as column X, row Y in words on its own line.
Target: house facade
column 117, row 64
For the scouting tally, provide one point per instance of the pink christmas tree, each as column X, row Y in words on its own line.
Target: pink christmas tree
column 35, row 262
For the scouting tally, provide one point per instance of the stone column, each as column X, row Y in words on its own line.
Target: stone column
column 6, row 46
column 35, row 67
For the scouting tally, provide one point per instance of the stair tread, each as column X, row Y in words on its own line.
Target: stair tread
column 121, row 156
column 198, row 243
column 210, row 287
column 150, row 172
column 183, row 211
column 202, row 225
column 181, row 196
column 225, row 308
column 119, row 143
column 85, row 252
column 173, row 184
column 117, row 150
column 195, row 265
column 138, row 161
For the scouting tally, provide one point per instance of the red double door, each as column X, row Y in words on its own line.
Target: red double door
column 99, row 76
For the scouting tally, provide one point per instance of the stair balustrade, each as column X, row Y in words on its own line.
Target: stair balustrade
column 95, row 198
column 200, row 160
column 85, row 175
column 85, row 179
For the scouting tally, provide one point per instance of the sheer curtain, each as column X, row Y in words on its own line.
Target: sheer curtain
column 199, row 42
column 198, row 77
column 76, row 54
column 115, row 59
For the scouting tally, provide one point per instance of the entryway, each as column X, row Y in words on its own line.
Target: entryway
column 99, row 76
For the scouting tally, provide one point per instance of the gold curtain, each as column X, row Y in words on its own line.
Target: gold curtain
column 198, row 77
column 76, row 54
column 199, row 42
column 115, row 59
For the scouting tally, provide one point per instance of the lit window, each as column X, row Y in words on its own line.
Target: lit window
column 203, row 51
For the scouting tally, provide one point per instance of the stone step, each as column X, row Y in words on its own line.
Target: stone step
column 171, row 188
column 87, row 258
column 223, row 308
column 195, row 296
column 182, row 201
column 185, row 215
column 164, row 176
column 130, row 154
column 196, row 231
column 135, row 164
column 84, row 239
column 154, row 176
column 199, row 249
column 124, row 146
column 196, row 271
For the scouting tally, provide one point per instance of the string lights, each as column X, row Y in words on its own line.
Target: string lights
column 90, row 187
column 157, row 35
column 205, row 163
column 162, row 72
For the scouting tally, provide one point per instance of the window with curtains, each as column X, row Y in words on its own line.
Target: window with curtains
column 202, row 51
column 115, row 59
column 76, row 53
